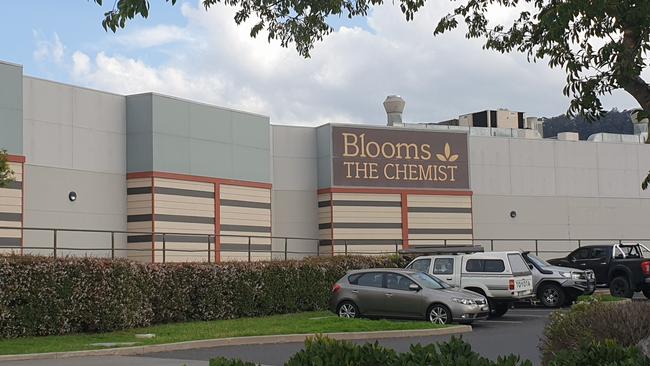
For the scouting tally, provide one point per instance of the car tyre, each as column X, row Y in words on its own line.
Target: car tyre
column 551, row 295
column 347, row 309
column 498, row 310
column 439, row 314
column 620, row 287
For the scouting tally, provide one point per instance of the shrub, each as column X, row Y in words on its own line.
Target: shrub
column 222, row 361
column 323, row 351
column 606, row 353
column 624, row 323
column 46, row 296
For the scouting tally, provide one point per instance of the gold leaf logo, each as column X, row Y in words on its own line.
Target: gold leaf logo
column 447, row 155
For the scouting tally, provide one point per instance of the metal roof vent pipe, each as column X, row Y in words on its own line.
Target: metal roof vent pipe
column 394, row 106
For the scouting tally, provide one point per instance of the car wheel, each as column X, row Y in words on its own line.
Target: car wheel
column 348, row 309
column 439, row 314
column 551, row 295
column 498, row 310
column 646, row 293
column 619, row 287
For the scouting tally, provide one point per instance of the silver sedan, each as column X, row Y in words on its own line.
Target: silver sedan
column 400, row 293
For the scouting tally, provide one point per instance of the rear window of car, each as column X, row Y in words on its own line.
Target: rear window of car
column 485, row 265
column 517, row 264
column 370, row 279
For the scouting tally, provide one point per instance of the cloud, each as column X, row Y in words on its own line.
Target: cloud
column 212, row 60
column 52, row 49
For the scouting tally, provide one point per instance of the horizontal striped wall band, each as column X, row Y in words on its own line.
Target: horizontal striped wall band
column 13, row 185
column 10, row 242
column 360, row 242
column 248, row 204
column 244, row 247
column 6, row 216
column 172, row 238
column 170, row 191
column 360, row 225
column 171, row 218
column 440, row 231
column 440, row 209
column 360, row 203
column 246, row 228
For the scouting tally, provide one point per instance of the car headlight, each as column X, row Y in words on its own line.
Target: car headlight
column 575, row 275
column 565, row 274
column 464, row 301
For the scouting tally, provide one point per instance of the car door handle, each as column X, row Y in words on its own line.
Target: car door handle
column 449, row 279
column 388, row 294
column 603, row 263
column 355, row 291
column 583, row 264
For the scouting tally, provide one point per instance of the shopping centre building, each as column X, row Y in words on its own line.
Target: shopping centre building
column 146, row 171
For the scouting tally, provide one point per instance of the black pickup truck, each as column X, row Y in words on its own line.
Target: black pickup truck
column 622, row 267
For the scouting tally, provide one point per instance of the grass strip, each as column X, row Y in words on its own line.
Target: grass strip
column 301, row 323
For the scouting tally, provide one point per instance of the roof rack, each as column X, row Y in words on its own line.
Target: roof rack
column 430, row 250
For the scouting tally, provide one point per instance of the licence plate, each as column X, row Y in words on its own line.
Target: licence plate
column 523, row 283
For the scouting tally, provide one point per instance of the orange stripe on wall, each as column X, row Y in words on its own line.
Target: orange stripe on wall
column 195, row 178
column 15, row 159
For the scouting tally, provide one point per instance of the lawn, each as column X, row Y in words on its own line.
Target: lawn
column 311, row 322
column 599, row 298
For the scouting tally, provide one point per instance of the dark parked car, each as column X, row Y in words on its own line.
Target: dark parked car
column 620, row 266
column 402, row 293
column 556, row 286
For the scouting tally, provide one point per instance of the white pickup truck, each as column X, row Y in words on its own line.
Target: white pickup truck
column 502, row 277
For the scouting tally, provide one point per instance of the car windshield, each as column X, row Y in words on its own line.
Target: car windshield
column 538, row 261
column 429, row 281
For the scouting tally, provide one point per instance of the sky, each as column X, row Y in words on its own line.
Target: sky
column 201, row 55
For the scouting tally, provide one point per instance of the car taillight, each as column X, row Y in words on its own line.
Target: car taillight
column 511, row 285
column 336, row 287
column 645, row 268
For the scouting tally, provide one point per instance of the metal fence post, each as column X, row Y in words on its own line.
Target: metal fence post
column 285, row 248
column 249, row 248
column 579, row 243
column 396, row 247
column 492, row 245
column 55, row 239
column 318, row 248
column 536, row 248
column 209, row 254
column 445, row 243
column 345, row 242
column 164, row 247
column 112, row 244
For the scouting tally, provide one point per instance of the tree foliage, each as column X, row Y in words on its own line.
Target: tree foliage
column 602, row 45
column 6, row 174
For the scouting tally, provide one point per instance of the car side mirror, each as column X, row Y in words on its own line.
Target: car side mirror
column 572, row 259
column 530, row 266
column 414, row 287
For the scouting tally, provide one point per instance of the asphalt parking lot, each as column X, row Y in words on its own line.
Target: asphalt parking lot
column 516, row 332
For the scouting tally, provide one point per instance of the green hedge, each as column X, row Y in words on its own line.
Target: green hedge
column 46, row 296
column 323, row 351
column 624, row 323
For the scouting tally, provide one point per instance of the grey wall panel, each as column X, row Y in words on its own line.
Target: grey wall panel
column 324, row 141
column 101, row 205
column 74, row 128
column 294, row 200
column 139, row 139
column 11, row 108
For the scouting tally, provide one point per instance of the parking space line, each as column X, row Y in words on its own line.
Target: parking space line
column 501, row 321
column 527, row 316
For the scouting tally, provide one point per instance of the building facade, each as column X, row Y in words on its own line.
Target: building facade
column 152, row 172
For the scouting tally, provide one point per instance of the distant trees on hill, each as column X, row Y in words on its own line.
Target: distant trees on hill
column 613, row 122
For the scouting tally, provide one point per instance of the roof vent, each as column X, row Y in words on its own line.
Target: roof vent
column 394, row 106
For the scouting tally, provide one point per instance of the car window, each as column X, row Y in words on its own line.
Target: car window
column 370, row 279
column 485, row 265
column 396, row 281
column 443, row 266
column 517, row 264
column 597, row 253
column 581, row 254
column 421, row 265
column 429, row 281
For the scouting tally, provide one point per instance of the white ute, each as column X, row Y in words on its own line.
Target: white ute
column 502, row 277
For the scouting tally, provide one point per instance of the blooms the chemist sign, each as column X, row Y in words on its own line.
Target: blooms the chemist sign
column 399, row 158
